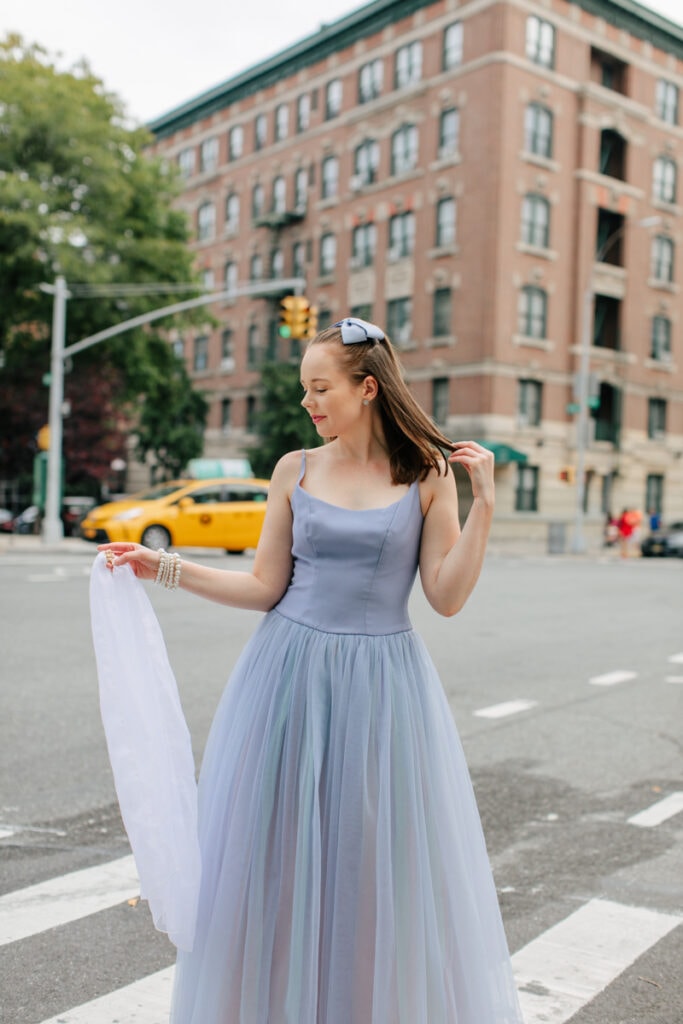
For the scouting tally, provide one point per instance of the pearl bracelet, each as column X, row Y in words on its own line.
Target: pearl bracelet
column 168, row 574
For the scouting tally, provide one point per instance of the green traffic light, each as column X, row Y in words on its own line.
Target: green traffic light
column 285, row 331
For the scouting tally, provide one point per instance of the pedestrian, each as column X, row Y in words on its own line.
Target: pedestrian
column 626, row 525
column 610, row 531
column 654, row 520
column 345, row 878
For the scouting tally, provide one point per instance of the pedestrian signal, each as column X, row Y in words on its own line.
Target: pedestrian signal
column 294, row 317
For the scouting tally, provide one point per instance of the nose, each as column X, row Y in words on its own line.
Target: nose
column 305, row 401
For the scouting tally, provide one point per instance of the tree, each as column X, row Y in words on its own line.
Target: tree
column 79, row 196
column 282, row 424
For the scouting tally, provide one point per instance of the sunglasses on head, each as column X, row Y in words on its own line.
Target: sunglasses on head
column 355, row 330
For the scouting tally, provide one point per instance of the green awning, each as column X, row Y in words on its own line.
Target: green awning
column 504, row 453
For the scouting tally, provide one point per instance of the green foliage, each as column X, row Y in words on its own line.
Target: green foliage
column 78, row 196
column 283, row 425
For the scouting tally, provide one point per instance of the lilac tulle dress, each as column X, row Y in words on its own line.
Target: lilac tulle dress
column 345, row 878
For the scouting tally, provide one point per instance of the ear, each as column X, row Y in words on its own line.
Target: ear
column 370, row 388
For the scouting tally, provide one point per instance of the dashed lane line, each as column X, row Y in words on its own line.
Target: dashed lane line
column 673, row 679
column 510, row 707
column 613, row 678
column 143, row 1002
column 659, row 812
column 67, row 898
column 572, row 962
column 676, row 659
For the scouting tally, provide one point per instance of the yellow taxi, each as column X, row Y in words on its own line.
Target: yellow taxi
column 225, row 512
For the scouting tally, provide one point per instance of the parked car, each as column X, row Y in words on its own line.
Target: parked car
column 667, row 541
column 74, row 510
column 5, row 516
column 27, row 521
column 226, row 512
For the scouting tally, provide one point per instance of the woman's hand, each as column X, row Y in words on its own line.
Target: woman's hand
column 143, row 561
column 478, row 462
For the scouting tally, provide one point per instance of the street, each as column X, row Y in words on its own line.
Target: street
column 565, row 677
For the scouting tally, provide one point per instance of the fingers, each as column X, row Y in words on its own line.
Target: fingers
column 470, row 453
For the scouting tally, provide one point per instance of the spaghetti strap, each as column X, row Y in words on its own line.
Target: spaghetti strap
column 303, row 465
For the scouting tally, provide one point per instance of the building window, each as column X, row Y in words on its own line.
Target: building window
column 277, row 264
column 400, row 320
column 606, row 324
column 333, row 98
column 401, row 236
column 208, row 280
column 252, row 414
column 206, row 222
column 362, row 312
column 529, row 397
column 208, row 155
column 299, row 259
column 301, row 189
column 236, row 142
column 660, row 339
column 364, row 244
column 445, row 222
column 449, row 132
column 328, row 254
column 536, row 221
column 654, row 493
column 452, row 46
column 200, row 359
column 540, row 42
column 330, row 177
column 666, row 101
column 612, row 154
column 440, row 389
column 607, row 415
column 532, row 312
column 303, row 112
column 230, row 276
column 186, row 159
column 260, row 131
column 370, row 78
column 279, row 197
column 178, row 347
column 258, row 202
column 404, row 149
column 608, row 71
column 538, row 130
column 227, row 348
column 662, row 259
column 526, row 491
column 253, row 346
column 366, row 162
column 232, row 213
column 408, row 65
column 281, row 122
column 256, row 267
column 664, row 179
column 609, row 238
column 442, row 313
column 226, row 413
column 656, row 418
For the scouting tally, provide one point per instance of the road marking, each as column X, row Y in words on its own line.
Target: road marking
column 144, row 1002
column 673, row 679
column 510, row 707
column 66, row 898
column 676, row 659
column 659, row 812
column 571, row 963
column 5, row 833
column 612, row 678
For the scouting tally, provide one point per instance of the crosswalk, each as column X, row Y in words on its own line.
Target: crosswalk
column 557, row 972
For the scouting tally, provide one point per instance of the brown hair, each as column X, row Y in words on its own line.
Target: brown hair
column 415, row 444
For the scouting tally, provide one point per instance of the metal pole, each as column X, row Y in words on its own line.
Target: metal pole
column 579, row 541
column 53, row 529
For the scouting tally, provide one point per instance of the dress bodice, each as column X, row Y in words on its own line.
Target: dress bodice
column 353, row 569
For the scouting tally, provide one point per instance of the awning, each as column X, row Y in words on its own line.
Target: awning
column 504, row 453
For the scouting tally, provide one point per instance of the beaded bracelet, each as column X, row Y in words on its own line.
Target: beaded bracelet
column 168, row 573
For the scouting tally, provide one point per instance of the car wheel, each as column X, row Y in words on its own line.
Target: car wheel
column 156, row 537
column 234, row 551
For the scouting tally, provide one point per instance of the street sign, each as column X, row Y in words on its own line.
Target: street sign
column 573, row 408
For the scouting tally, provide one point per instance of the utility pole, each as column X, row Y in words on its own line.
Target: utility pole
column 53, row 529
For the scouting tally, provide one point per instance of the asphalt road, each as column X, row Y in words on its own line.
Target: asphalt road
column 578, row 652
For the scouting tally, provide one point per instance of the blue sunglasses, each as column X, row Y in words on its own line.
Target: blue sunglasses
column 354, row 331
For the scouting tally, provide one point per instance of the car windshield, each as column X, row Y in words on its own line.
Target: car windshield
column 160, row 491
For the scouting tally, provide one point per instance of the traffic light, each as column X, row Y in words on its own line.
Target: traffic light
column 568, row 474
column 294, row 317
column 312, row 322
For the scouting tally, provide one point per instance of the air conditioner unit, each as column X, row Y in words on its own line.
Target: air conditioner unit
column 356, row 182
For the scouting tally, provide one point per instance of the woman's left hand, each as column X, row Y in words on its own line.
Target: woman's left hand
column 478, row 462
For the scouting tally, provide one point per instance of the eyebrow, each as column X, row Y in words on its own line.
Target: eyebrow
column 317, row 380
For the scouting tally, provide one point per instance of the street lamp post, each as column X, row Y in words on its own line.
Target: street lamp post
column 53, row 529
column 582, row 385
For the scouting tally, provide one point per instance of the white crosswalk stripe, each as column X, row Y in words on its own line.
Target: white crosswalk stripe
column 557, row 973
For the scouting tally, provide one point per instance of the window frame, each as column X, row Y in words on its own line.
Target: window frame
column 664, row 179
column 528, row 316
column 540, row 32
column 449, row 47
column 442, row 312
column 408, row 64
column 328, row 247
column 206, row 228
column 446, row 231
column 533, row 133
column 662, row 259
column 333, row 109
column 407, row 136
column 660, row 340
column 532, row 224
column 329, row 177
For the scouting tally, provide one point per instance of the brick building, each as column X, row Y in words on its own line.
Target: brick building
column 470, row 176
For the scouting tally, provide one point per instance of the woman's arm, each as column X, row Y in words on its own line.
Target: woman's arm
column 451, row 559
column 259, row 589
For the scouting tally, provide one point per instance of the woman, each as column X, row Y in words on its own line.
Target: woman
column 345, row 878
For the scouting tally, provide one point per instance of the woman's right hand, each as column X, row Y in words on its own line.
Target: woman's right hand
column 143, row 561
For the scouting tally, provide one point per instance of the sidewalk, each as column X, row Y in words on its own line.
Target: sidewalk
column 17, row 543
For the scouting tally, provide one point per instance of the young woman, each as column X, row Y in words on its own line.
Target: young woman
column 345, row 878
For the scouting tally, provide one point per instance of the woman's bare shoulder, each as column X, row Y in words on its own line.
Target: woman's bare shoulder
column 436, row 483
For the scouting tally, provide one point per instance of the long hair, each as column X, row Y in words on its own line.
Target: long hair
column 414, row 443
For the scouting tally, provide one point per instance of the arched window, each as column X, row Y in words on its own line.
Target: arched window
column 662, row 259
column 256, row 267
column 536, row 221
column 538, row 130
column 445, row 221
column 328, row 254
column 257, row 201
column 206, row 221
column 279, row 204
column 330, row 177
column 366, row 161
column 532, row 312
column 404, row 149
column 232, row 212
column 230, row 276
column 664, row 179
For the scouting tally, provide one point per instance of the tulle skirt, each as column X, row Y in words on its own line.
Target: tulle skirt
column 345, row 878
